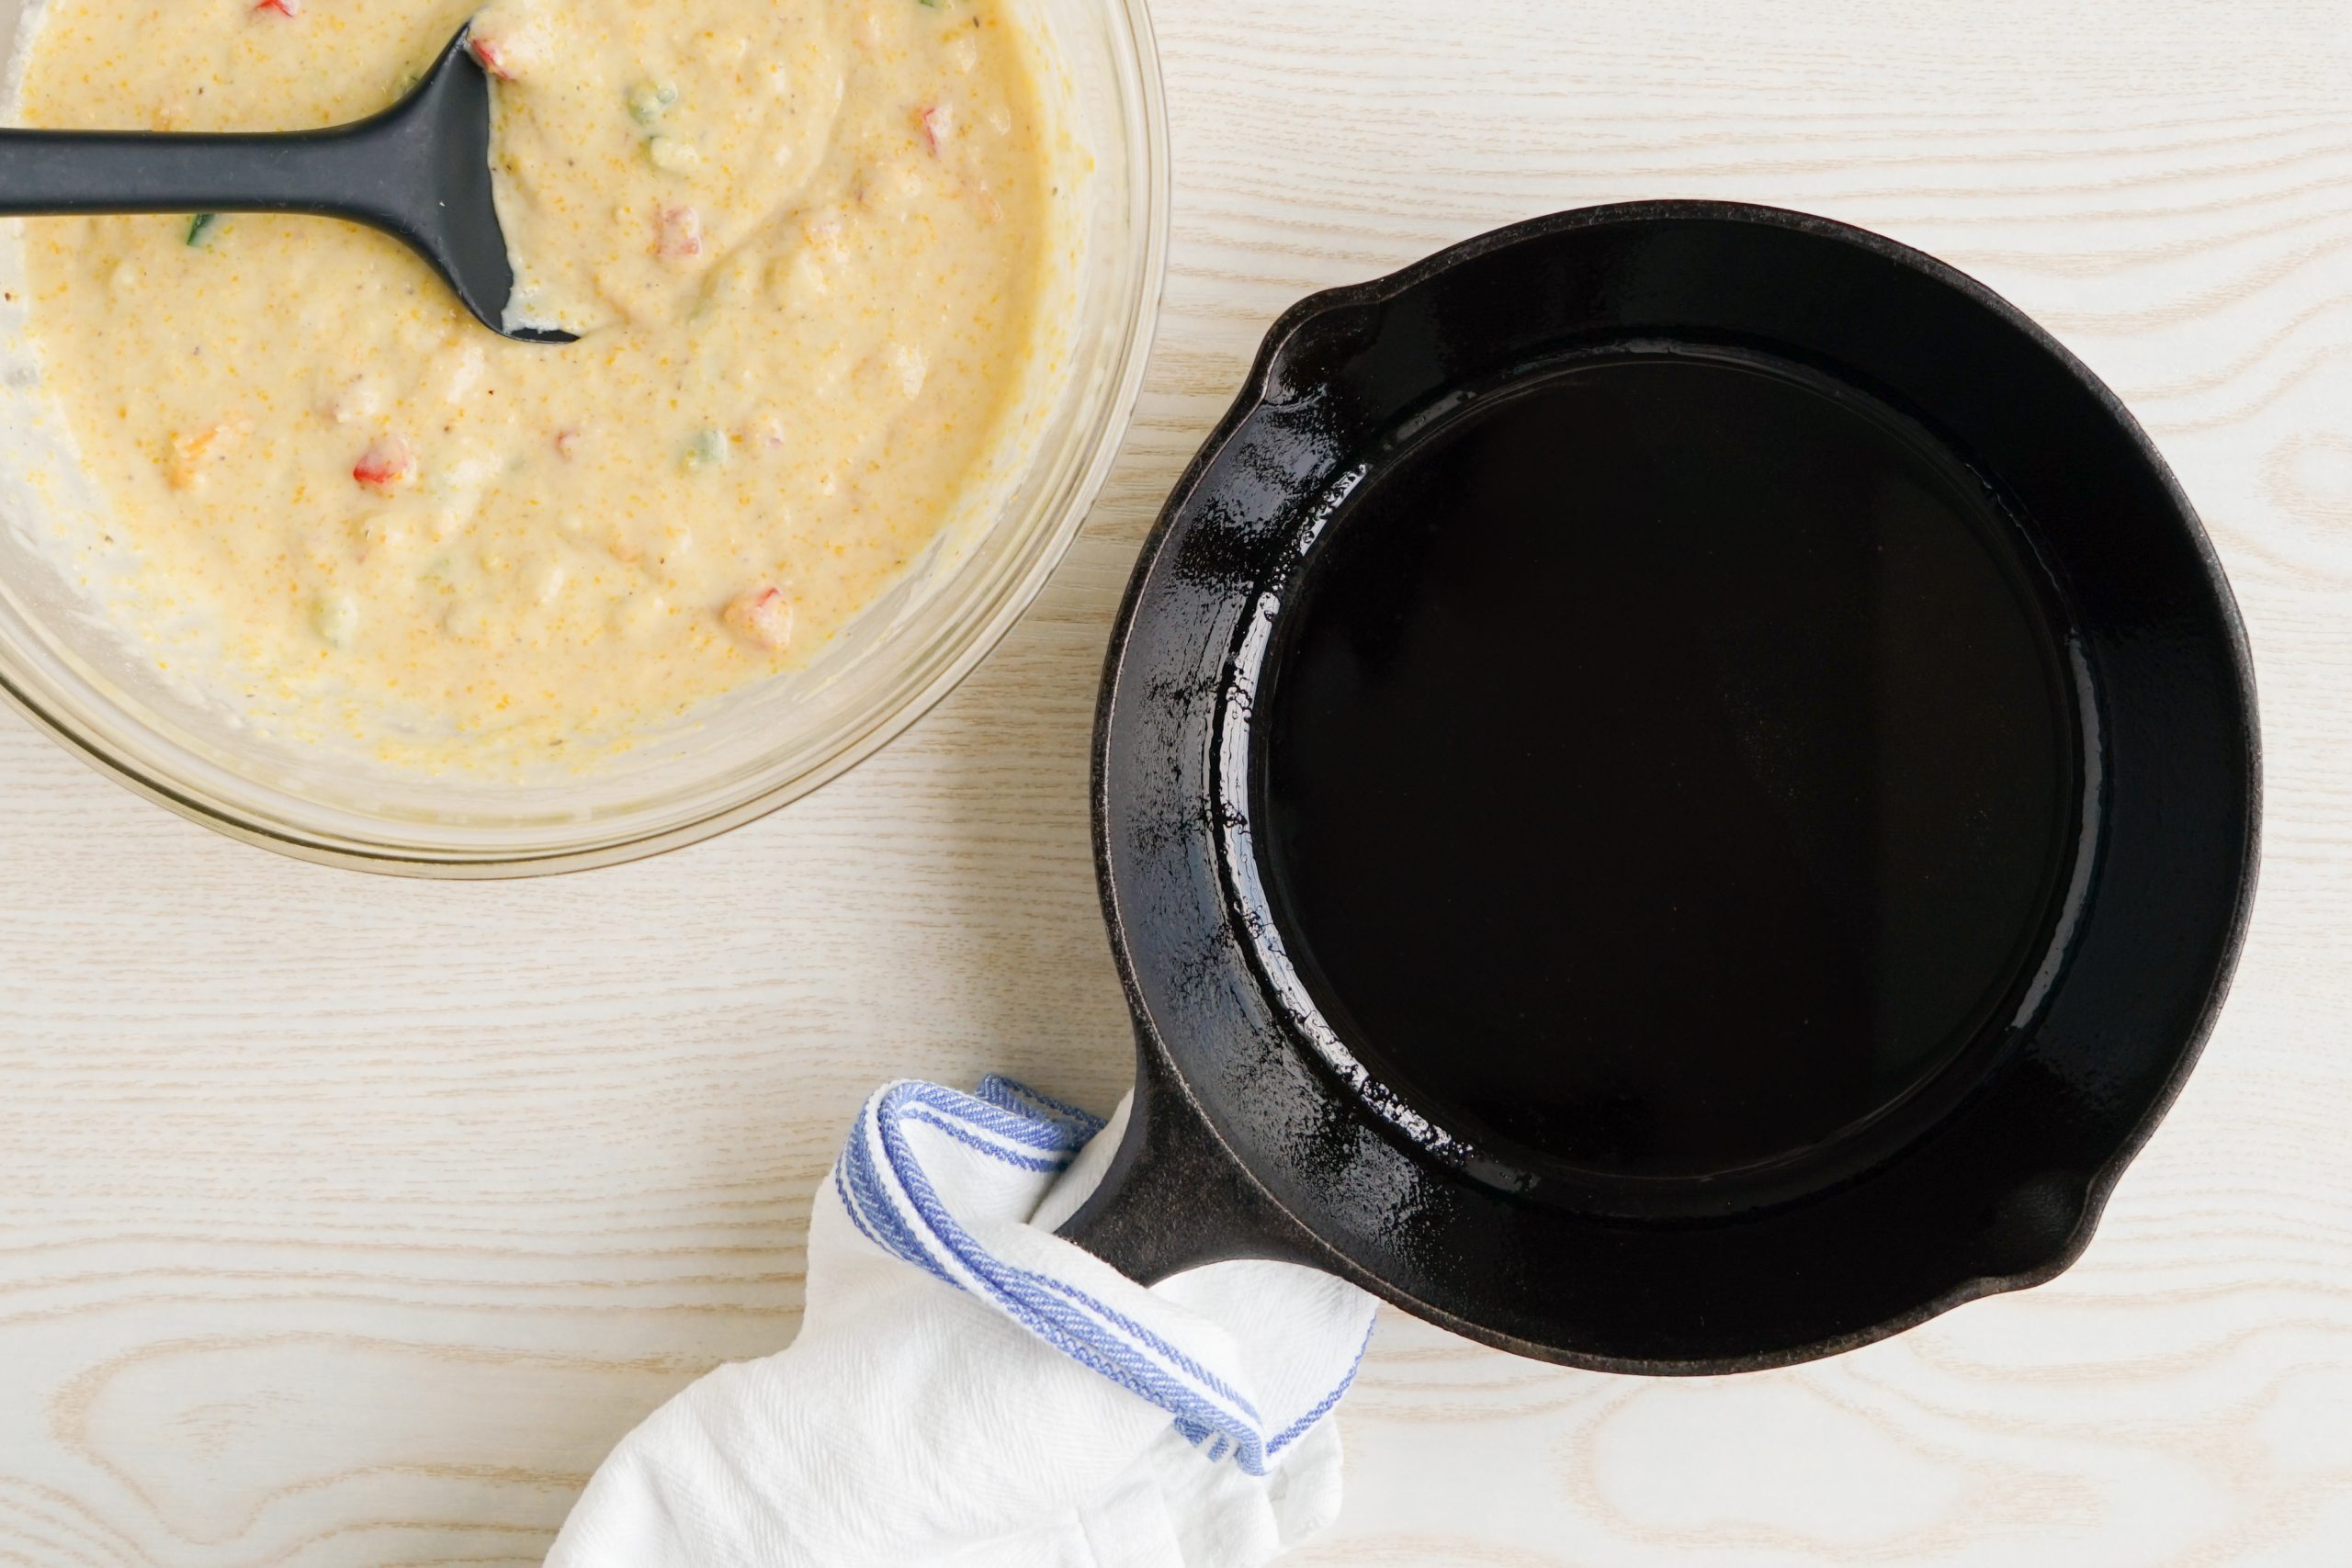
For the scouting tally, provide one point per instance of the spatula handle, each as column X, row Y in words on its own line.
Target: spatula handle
column 420, row 171
column 349, row 171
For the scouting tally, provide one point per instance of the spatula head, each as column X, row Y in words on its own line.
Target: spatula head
column 441, row 131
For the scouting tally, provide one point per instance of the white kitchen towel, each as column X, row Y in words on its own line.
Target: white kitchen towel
column 969, row 1389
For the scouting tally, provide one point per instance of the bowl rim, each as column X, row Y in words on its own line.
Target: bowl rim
column 1138, row 330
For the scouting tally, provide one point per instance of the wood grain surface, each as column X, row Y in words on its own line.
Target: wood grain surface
column 347, row 1222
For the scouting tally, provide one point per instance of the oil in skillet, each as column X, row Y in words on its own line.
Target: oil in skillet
column 1666, row 765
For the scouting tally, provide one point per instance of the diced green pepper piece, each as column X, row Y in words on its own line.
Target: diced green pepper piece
column 648, row 101
column 202, row 227
column 710, row 449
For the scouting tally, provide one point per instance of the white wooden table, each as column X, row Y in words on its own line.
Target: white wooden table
column 346, row 1221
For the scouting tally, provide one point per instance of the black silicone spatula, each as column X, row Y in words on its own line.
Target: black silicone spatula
column 419, row 171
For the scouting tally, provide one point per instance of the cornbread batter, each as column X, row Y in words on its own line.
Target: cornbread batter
column 808, row 244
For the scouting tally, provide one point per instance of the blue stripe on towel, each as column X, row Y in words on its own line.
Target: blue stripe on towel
column 1298, row 1428
column 971, row 1141
column 891, row 1199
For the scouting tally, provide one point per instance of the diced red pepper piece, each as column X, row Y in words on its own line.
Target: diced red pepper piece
column 486, row 50
column 761, row 617
column 677, row 234
column 567, row 441
column 934, row 120
column 281, row 7
column 388, row 464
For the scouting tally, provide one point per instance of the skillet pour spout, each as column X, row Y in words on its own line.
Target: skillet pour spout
column 1592, row 1180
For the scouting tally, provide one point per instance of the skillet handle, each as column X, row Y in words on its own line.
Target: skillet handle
column 1174, row 1197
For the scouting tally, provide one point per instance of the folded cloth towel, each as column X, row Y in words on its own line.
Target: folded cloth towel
column 969, row 1389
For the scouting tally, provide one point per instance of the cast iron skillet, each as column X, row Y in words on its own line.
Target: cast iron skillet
column 1255, row 1134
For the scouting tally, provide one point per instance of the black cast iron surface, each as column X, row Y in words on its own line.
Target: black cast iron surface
column 1259, row 1133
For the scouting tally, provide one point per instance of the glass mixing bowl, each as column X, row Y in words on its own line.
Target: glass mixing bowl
column 737, row 758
